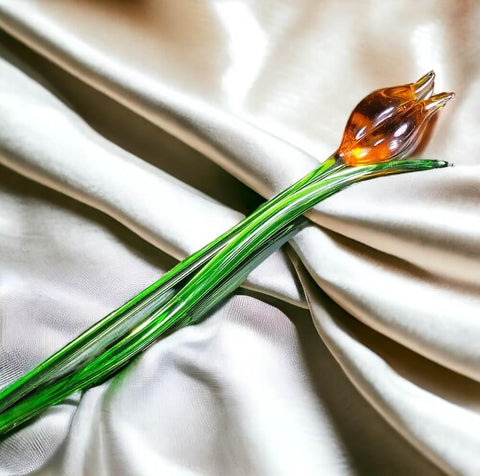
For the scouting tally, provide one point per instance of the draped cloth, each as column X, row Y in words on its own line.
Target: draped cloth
column 132, row 132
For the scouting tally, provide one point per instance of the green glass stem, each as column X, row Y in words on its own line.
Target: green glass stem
column 213, row 282
column 55, row 392
column 104, row 333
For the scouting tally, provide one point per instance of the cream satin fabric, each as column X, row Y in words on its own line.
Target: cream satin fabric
column 355, row 351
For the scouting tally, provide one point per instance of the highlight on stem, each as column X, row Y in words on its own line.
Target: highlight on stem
column 384, row 127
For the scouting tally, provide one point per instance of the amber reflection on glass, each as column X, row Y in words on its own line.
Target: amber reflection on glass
column 388, row 123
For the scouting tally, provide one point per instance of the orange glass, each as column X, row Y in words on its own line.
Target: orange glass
column 386, row 125
column 389, row 123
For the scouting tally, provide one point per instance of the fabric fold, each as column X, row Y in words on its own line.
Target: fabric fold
column 42, row 139
column 229, row 138
column 389, row 295
column 391, row 267
column 397, row 385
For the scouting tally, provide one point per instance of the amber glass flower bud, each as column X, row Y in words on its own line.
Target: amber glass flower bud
column 389, row 123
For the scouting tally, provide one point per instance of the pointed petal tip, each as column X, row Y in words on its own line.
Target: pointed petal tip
column 430, row 75
column 437, row 101
column 426, row 77
column 424, row 86
column 447, row 96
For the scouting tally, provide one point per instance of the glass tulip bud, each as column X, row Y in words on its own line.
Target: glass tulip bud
column 389, row 123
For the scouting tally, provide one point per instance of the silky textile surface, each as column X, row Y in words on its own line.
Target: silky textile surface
column 132, row 132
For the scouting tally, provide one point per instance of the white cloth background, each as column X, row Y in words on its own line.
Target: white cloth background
column 132, row 132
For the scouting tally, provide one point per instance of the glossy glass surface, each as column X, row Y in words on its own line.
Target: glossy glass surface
column 384, row 127
column 108, row 330
column 262, row 233
column 389, row 123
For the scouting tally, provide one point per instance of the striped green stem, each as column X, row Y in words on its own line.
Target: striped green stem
column 112, row 327
column 215, row 280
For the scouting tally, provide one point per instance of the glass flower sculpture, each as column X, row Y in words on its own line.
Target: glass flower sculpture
column 384, row 127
